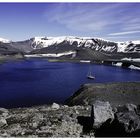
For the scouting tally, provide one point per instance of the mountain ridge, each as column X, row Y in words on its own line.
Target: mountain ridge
column 70, row 47
column 89, row 42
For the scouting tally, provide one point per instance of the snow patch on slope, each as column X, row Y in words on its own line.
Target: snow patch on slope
column 119, row 64
column 131, row 59
column 4, row 40
column 52, row 54
column 136, row 41
column 108, row 48
column 134, row 67
column 123, row 46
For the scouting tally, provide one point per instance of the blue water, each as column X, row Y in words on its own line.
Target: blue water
column 37, row 81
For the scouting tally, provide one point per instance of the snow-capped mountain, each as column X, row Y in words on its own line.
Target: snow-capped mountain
column 74, row 48
column 96, row 44
column 129, row 46
column 4, row 40
column 85, row 42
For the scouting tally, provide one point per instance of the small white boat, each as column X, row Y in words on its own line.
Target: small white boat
column 90, row 76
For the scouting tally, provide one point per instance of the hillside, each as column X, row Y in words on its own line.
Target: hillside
column 115, row 93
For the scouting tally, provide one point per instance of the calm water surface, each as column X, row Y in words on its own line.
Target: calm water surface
column 37, row 81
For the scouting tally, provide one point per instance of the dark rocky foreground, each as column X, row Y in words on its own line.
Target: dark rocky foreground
column 98, row 120
column 42, row 121
column 119, row 93
column 120, row 121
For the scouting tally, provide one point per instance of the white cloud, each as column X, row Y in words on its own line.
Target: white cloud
column 105, row 19
column 124, row 33
column 83, row 17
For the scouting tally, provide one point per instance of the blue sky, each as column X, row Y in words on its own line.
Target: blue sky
column 112, row 21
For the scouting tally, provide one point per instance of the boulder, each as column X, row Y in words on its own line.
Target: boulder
column 34, row 124
column 3, row 110
column 126, row 123
column 138, row 110
column 2, row 122
column 129, row 121
column 127, row 108
column 101, row 112
column 127, row 116
column 55, row 106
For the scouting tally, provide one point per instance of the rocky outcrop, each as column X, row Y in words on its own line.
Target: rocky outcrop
column 3, row 121
column 42, row 121
column 127, row 116
column 102, row 111
column 122, row 121
column 55, row 106
column 116, row 94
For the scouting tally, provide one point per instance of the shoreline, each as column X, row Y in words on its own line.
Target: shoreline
column 117, row 93
column 91, row 90
column 90, row 61
column 124, row 88
column 4, row 59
